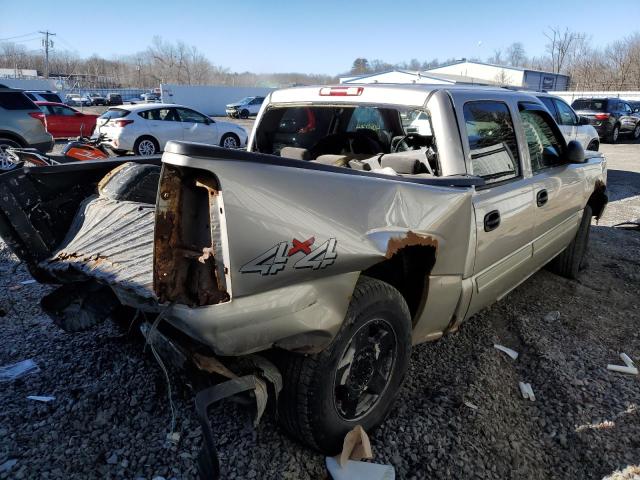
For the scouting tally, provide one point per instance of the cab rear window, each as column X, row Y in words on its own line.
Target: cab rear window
column 16, row 101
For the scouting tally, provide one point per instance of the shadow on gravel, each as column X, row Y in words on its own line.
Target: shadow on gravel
column 623, row 184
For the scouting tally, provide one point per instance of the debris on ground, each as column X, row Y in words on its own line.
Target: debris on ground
column 354, row 470
column 356, row 446
column 527, row 391
column 629, row 367
column 512, row 353
column 470, row 405
column 39, row 398
column 17, row 370
column 552, row 316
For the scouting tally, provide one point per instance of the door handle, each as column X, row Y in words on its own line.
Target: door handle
column 542, row 197
column 491, row 220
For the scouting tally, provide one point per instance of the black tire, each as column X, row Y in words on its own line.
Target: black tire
column 614, row 135
column 244, row 113
column 636, row 131
column 310, row 407
column 593, row 146
column 230, row 140
column 5, row 163
column 570, row 261
column 144, row 146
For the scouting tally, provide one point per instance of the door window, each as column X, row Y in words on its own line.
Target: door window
column 60, row 110
column 191, row 116
column 567, row 115
column 627, row 108
column 492, row 141
column 368, row 118
column 544, row 141
column 164, row 114
column 548, row 102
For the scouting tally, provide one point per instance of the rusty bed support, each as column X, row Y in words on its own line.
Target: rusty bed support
column 188, row 261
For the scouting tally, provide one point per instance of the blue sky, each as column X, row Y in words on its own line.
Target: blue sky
column 312, row 37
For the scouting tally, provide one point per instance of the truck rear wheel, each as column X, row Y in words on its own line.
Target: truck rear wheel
column 355, row 380
column 569, row 262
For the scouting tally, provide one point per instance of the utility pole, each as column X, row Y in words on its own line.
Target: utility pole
column 46, row 43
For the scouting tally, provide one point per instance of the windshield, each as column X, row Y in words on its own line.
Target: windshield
column 245, row 100
column 339, row 129
column 599, row 105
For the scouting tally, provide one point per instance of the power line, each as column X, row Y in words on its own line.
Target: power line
column 18, row 36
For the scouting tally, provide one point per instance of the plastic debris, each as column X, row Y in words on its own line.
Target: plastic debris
column 627, row 360
column 552, row 316
column 512, row 353
column 8, row 465
column 629, row 367
column 173, row 438
column 470, row 405
column 356, row 446
column 27, row 282
column 527, row 391
column 39, row 398
column 354, row 470
column 623, row 369
column 17, row 370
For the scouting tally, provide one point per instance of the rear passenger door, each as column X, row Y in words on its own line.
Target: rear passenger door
column 557, row 185
column 504, row 215
column 163, row 124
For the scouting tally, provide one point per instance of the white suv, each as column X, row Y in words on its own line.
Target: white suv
column 145, row 129
column 572, row 126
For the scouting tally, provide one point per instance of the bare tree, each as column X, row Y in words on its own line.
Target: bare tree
column 560, row 46
column 515, row 55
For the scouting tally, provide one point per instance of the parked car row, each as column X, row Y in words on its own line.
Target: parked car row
column 611, row 117
column 89, row 99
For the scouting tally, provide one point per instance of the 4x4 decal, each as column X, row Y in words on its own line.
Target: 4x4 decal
column 275, row 259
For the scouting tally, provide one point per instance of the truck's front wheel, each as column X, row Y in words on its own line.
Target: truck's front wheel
column 355, row 380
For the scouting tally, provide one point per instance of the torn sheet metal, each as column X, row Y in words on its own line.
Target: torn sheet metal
column 111, row 241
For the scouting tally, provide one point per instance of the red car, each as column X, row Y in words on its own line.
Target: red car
column 65, row 122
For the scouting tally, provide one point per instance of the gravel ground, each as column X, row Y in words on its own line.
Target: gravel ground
column 111, row 415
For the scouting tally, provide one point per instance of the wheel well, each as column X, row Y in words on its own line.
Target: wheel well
column 595, row 143
column 598, row 199
column 408, row 272
column 14, row 137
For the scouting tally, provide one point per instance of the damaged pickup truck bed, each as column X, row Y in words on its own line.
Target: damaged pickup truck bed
column 362, row 220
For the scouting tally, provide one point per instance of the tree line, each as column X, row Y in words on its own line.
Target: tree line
column 615, row 66
column 161, row 62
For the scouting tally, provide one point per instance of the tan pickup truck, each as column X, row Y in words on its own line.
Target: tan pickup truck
column 361, row 220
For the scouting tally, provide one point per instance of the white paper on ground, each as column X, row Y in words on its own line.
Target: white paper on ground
column 17, row 370
column 627, row 360
column 39, row 398
column 359, row 470
column 623, row 369
column 512, row 353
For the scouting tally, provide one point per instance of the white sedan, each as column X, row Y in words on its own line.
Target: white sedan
column 145, row 129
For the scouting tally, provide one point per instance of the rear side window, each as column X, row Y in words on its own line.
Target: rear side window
column 114, row 113
column 598, row 105
column 492, row 141
column 51, row 97
column 16, row 101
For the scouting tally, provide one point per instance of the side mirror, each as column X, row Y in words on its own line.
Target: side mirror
column 575, row 152
column 583, row 121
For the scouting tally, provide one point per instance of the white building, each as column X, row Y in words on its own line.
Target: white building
column 407, row 76
column 505, row 75
column 18, row 73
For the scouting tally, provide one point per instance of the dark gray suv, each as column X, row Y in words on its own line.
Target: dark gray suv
column 609, row 116
column 21, row 125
